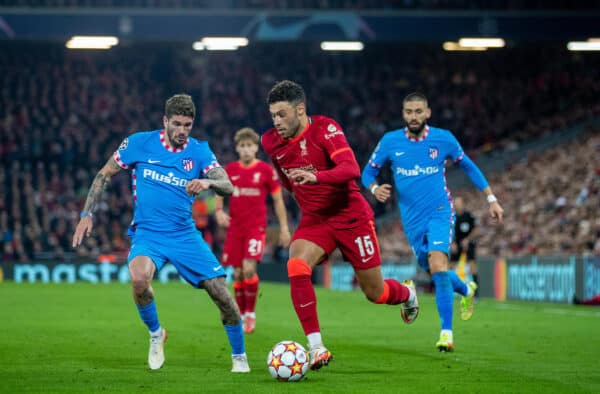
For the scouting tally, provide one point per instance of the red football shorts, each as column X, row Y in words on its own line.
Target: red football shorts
column 358, row 244
column 243, row 245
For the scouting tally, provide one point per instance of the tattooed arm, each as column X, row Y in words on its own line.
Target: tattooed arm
column 84, row 227
column 220, row 181
column 217, row 180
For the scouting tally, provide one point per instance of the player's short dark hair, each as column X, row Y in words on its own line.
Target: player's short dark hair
column 180, row 104
column 415, row 96
column 286, row 91
column 246, row 133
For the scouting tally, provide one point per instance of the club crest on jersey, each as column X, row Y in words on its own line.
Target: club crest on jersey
column 256, row 178
column 187, row 164
column 303, row 152
column 433, row 153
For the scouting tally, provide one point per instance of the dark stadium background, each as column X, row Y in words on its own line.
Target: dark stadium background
column 528, row 113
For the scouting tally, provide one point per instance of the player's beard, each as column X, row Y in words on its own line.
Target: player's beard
column 177, row 141
column 416, row 129
column 295, row 126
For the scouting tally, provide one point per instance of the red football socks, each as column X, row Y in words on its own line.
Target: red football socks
column 250, row 292
column 238, row 292
column 394, row 293
column 303, row 295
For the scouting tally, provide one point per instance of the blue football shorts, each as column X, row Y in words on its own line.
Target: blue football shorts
column 187, row 251
column 435, row 234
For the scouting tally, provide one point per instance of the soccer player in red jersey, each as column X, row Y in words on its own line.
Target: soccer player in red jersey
column 316, row 163
column 246, row 222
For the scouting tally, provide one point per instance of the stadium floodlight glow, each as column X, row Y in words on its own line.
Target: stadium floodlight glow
column 198, row 46
column 220, row 43
column 454, row 46
column 92, row 42
column 342, row 46
column 583, row 46
column 221, row 47
column 482, row 42
column 225, row 41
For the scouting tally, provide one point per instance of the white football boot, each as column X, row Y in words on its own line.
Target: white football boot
column 156, row 354
column 240, row 363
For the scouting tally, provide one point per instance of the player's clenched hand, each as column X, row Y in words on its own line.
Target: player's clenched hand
column 302, row 177
column 195, row 186
column 223, row 218
column 383, row 192
column 496, row 212
column 84, row 228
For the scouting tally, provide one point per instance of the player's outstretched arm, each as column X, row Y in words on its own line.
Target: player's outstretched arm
column 102, row 179
column 217, row 180
column 478, row 179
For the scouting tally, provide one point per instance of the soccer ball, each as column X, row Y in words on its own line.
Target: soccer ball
column 288, row 361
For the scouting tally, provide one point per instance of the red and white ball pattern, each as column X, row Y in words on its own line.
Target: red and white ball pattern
column 288, row 361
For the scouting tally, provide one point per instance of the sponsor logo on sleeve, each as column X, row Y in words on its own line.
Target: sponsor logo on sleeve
column 332, row 131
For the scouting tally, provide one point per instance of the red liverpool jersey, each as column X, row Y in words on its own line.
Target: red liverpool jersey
column 251, row 184
column 315, row 149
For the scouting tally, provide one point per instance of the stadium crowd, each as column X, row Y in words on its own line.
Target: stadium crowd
column 62, row 114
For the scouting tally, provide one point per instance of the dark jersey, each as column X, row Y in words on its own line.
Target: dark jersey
column 465, row 223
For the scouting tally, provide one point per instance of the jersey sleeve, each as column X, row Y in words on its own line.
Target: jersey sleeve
column 376, row 161
column 128, row 153
column 456, row 153
column 334, row 141
column 339, row 151
column 207, row 158
column 455, row 150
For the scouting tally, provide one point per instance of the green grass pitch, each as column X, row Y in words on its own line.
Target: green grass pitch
column 87, row 338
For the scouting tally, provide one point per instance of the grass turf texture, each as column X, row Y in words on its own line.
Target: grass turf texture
column 89, row 338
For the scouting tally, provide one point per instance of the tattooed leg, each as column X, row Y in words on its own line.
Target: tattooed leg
column 141, row 270
column 218, row 292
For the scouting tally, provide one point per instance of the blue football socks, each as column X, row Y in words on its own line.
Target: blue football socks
column 236, row 338
column 443, row 298
column 458, row 285
column 149, row 316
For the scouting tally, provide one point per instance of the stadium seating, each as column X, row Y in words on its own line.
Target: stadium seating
column 63, row 113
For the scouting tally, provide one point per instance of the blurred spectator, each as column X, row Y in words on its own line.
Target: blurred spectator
column 62, row 112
